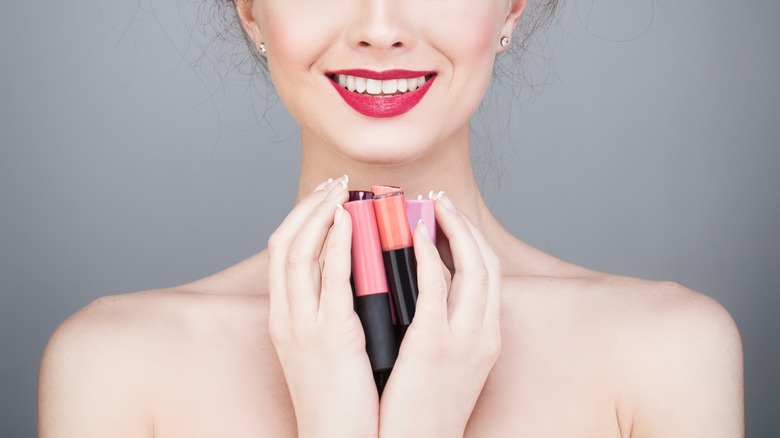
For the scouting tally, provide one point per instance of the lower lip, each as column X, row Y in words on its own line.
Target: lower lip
column 383, row 107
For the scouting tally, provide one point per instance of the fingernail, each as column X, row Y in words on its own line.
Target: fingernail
column 338, row 186
column 432, row 195
column 423, row 229
column 441, row 196
column 339, row 213
column 331, row 183
column 323, row 185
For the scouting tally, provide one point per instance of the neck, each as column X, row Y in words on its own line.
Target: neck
column 447, row 167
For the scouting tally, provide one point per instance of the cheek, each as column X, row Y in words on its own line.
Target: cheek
column 296, row 37
column 296, row 34
column 468, row 30
column 468, row 38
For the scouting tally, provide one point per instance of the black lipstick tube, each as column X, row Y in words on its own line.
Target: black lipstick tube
column 397, row 254
column 372, row 301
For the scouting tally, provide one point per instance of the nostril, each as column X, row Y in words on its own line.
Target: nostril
column 367, row 44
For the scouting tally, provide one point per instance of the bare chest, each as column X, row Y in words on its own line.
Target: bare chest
column 235, row 387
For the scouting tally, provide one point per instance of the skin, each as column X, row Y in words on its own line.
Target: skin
column 507, row 340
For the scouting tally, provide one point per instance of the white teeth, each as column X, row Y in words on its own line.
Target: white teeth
column 375, row 86
column 390, row 86
column 360, row 85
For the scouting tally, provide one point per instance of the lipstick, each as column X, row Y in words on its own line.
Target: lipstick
column 383, row 106
column 421, row 209
column 372, row 301
column 398, row 254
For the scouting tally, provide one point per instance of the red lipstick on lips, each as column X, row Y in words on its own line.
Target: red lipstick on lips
column 383, row 106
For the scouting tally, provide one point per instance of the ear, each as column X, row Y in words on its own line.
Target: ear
column 514, row 12
column 249, row 22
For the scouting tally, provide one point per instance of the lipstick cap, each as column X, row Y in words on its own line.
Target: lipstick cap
column 417, row 209
column 360, row 195
column 390, row 208
column 368, row 269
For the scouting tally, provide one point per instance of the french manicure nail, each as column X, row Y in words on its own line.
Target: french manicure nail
column 331, row 183
column 339, row 186
column 423, row 229
column 441, row 196
column 339, row 213
column 345, row 180
column 323, row 185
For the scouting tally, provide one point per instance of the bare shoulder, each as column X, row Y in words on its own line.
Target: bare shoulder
column 671, row 357
column 684, row 363
column 94, row 363
column 112, row 368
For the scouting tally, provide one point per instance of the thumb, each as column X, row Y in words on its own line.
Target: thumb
column 432, row 301
column 335, row 296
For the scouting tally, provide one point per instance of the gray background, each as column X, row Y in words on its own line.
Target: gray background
column 647, row 147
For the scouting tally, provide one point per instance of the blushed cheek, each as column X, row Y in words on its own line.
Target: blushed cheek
column 295, row 41
column 468, row 39
column 284, row 36
column 482, row 40
column 296, row 33
column 471, row 32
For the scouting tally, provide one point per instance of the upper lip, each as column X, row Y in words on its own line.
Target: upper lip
column 381, row 75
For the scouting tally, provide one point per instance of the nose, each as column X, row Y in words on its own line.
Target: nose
column 381, row 25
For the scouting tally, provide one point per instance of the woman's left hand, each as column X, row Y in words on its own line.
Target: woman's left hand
column 316, row 334
column 454, row 339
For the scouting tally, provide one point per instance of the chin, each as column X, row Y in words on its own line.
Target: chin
column 382, row 142
column 386, row 153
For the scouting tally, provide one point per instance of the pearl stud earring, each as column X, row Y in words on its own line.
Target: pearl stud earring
column 262, row 48
column 504, row 41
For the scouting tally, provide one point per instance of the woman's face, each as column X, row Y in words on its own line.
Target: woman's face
column 381, row 81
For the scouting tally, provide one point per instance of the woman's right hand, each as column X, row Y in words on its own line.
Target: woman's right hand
column 455, row 338
column 317, row 335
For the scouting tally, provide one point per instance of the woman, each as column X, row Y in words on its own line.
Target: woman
column 507, row 340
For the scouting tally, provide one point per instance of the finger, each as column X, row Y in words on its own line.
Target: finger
column 442, row 243
column 492, row 315
column 471, row 280
column 286, row 232
column 303, row 274
column 322, row 185
column 336, row 296
column 445, row 253
column 432, row 300
column 281, row 239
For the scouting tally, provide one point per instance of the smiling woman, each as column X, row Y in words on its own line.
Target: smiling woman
column 506, row 340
